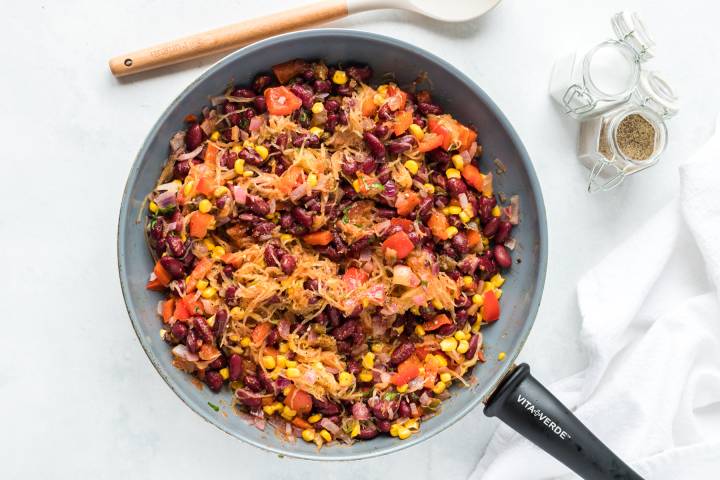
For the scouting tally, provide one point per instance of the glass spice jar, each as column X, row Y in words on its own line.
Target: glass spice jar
column 629, row 138
column 587, row 83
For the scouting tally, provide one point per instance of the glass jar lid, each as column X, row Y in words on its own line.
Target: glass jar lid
column 655, row 93
column 629, row 28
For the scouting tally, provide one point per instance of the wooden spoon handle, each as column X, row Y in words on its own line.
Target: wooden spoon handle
column 226, row 38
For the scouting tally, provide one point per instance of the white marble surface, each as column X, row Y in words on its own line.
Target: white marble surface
column 78, row 396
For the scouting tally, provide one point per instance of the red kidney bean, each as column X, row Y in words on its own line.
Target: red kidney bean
column 487, row 265
column 287, row 264
column 322, row 86
column 192, row 342
column 257, row 205
column 282, row 382
column 368, row 431
column 491, row 227
column 383, row 425
column 331, row 105
column 326, row 407
column 333, row 316
column 374, row 144
column 456, row 187
column 218, row 363
column 429, row 109
column 414, row 237
column 485, row 207
column 267, row 382
column 221, row 321
column 382, row 410
column 397, row 146
column 419, row 121
column 259, row 104
column 250, row 156
column 304, row 93
column 384, row 112
column 473, row 346
column 393, row 229
column 402, row 353
column 286, row 221
column 361, row 74
column 248, row 399
column 179, row 330
column 380, row 130
column 345, row 330
column 213, row 380
column 156, row 232
column 263, row 230
column 173, row 266
column 503, row 231
column 243, row 93
column 234, row 118
column 349, row 168
column 261, row 82
column 202, row 329
column 353, row 366
column 181, row 169
column 235, row 367
column 461, row 318
column 343, row 90
column 307, row 140
column 367, row 165
column 404, row 409
column 253, row 383
column 360, row 411
column 193, row 137
column 272, row 254
column 502, row 256
column 446, row 330
column 425, row 208
column 302, row 216
column 439, row 180
column 460, row 243
column 312, row 285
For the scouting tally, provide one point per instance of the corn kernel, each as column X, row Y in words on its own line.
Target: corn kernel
column 368, row 360
column 402, row 388
column 497, row 280
column 317, row 107
column 429, row 187
column 452, row 173
column 205, row 205
column 248, row 144
column 464, row 217
column 440, row 359
column 419, row 330
column 312, row 180
column 365, row 376
column 308, row 434
column 439, row 388
column 365, row 302
column 377, row 347
column 355, row 430
column 225, row 373
column 280, row 361
column 214, row 136
column 459, row 335
column 286, row 237
column 239, row 166
column 218, row 252
column 188, row 188
column 458, row 161
column 394, row 428
column 201, row 284
column 269, row 409
column 236, row 312
column 153, row 207
column 345, row 379
column 501, row 356
column 476, row 326
column 382, row 89
column 220, row 191
column 403, row 433
column 211, row 321
column 451, row 231
column 339, row 77
column 291, row 364
column 356, row 185
column 292, row 373
column 378, row 99
column 284, row 347
column 445, row 377
column 245, row 342
column 209, row 292
column 417, row 131
column 437, row 304
column 325, row 435
column 209, row 244
column 236, row 148
column 268, row 361
column 262, row 151
column 463, row 346
column 487, row 287
column 495, row 211
column 288, row 413
column 454, row 210
column 412, row 424
column 448, row 344
column 314, row 418
column 286, row 390
column 248, row 173
column 412, row 166
column 477, row 299
column 468, row 281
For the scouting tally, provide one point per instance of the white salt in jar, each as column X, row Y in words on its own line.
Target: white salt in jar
column 589, row 82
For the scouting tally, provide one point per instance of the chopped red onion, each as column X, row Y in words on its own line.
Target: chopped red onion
column 514, row 215
column 425, row 399
column 256, row 123
column 166, row 199
column 284, row 328
column 190, row 155
column 473, row 149
column 360, row 411
column 414, row 410
column 298, row 192
column 182, row 351
column 403, row 275
column 511, row 243
column 177, row 142
column 329, row 426
column 240, row 194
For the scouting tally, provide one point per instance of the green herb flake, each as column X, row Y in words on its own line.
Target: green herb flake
column 391, row 395
column 214, row 407
column 346, row 217
column 379, row 186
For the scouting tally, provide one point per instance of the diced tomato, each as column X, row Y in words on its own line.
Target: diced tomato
column 396, row 98
column 292, row 177
column 287, row 70
column 455, row 134
column 404, row 223
column 473, row 176
column 168, row 308
column 430, row 141
column 437, row 322
column 354, row 277
column 406, row 371
column 422, row 351
column 190, row 118
column 321, row 237
column 202, row 268
column 281, row 101
column 301, row 422
column 467, row 137
column 199, row 223
column 473, row 238
column 445, row 134
column 260, row 332
column 401, row 243
column 403, row 120
column 299, row 400
column 368, row 105
column 186, row 307
column 490, row 309
column 211, row 154
column 206, row 186
column 161, row 280
column 406, row 203
column 438, row 224
column 432, row 365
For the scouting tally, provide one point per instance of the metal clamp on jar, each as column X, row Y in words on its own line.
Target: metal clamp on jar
column 587, row 84
column 630, row 137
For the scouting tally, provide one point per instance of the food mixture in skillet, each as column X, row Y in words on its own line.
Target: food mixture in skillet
column 329, row 251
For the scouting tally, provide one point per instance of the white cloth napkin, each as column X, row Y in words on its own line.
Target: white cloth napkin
column 651, row 390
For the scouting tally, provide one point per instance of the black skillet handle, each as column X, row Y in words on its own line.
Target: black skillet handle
column 531, row 410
